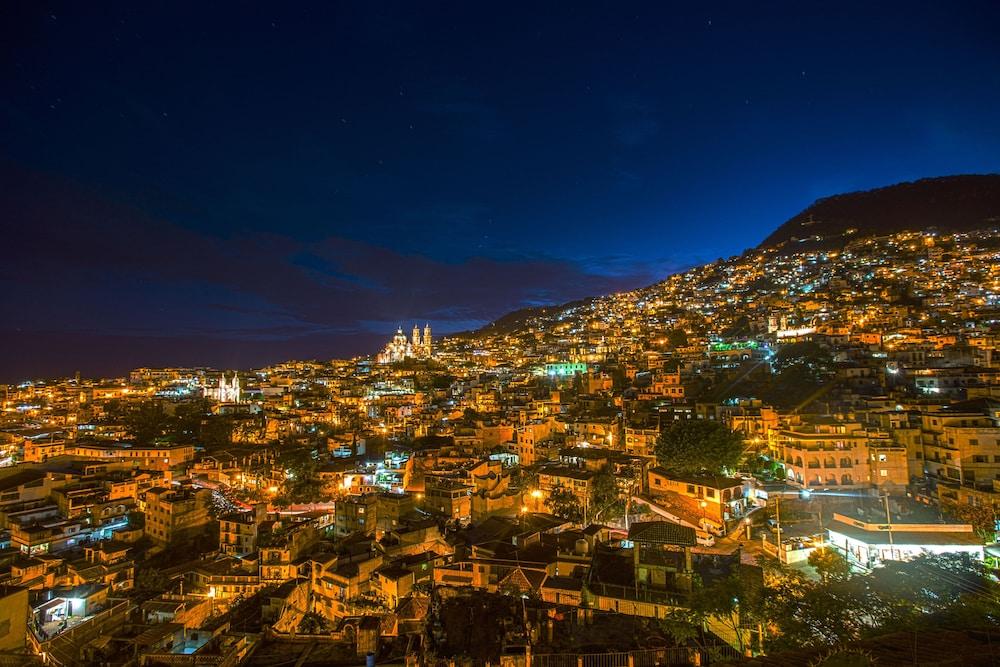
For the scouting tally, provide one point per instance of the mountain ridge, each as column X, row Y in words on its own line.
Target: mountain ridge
column 955, row 203
column 960, row 202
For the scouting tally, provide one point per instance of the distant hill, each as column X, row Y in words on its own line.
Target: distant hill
column 949, row 203
column 514, row 320
column 955, row 203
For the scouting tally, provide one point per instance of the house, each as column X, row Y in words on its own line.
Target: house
column 448, row 497
column 393, row 583
column 239, row 531
column 562, row 590
column 649, row 574
column 357, row 514
column 177, row 514
column 713, row 500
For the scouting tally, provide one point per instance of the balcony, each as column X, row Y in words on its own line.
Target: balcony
column 641, row 593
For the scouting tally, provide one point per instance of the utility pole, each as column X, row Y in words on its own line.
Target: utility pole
column 777, row 520
column 888, row 521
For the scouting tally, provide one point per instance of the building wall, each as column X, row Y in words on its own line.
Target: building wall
column 13, row 618
column 889, row 468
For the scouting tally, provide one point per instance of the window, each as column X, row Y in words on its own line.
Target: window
column 973, row 441
column 883, row 473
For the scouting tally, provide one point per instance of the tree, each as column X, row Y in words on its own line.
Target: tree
column 187, row 422
column 983, row 518
column 147, row 422
column 803, row 371
column 761, row 467
column 313, row 624
column 302, row 484
column 929, row 591
column 699, row 446
column 564, row 504
column 472, row 416
column 217, row 431
column 829, row 564
column 741, row 326
column 151, row 580
column 736, row 601
column 677, row 338
column 905, row 594
column 807, row 352
column 807, row 613
column 605, row 497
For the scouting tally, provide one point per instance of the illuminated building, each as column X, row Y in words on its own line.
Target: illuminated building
column 565, row 370
column 400, row 349
column 228, row 391
column 869, row 542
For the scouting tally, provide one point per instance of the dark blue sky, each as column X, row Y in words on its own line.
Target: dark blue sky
column 234, row 185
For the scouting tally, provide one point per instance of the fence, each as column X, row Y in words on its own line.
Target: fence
column 638, row 594
column 683, row 655
column 64, row 649
column 178, row 660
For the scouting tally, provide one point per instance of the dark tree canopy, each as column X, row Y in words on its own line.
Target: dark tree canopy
column 927, row 592
column 606, row 498
column 564, row 504
column 699, row 446
column 829, row 564
column 678, row 338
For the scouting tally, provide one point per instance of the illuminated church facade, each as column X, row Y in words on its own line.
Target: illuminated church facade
column 228, row 391
column 399, row 348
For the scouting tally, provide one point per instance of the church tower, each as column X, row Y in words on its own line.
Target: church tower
column 427, row 340
column 416, row 339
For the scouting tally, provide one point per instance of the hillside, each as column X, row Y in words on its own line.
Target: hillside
column 948, row 203
column 953, row 203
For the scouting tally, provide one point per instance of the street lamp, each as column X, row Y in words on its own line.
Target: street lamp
column 536, row 496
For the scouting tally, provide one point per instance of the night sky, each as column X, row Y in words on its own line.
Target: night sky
column 231, row 185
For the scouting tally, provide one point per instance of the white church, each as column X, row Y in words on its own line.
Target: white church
column 227, row 391
column 399, row 348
